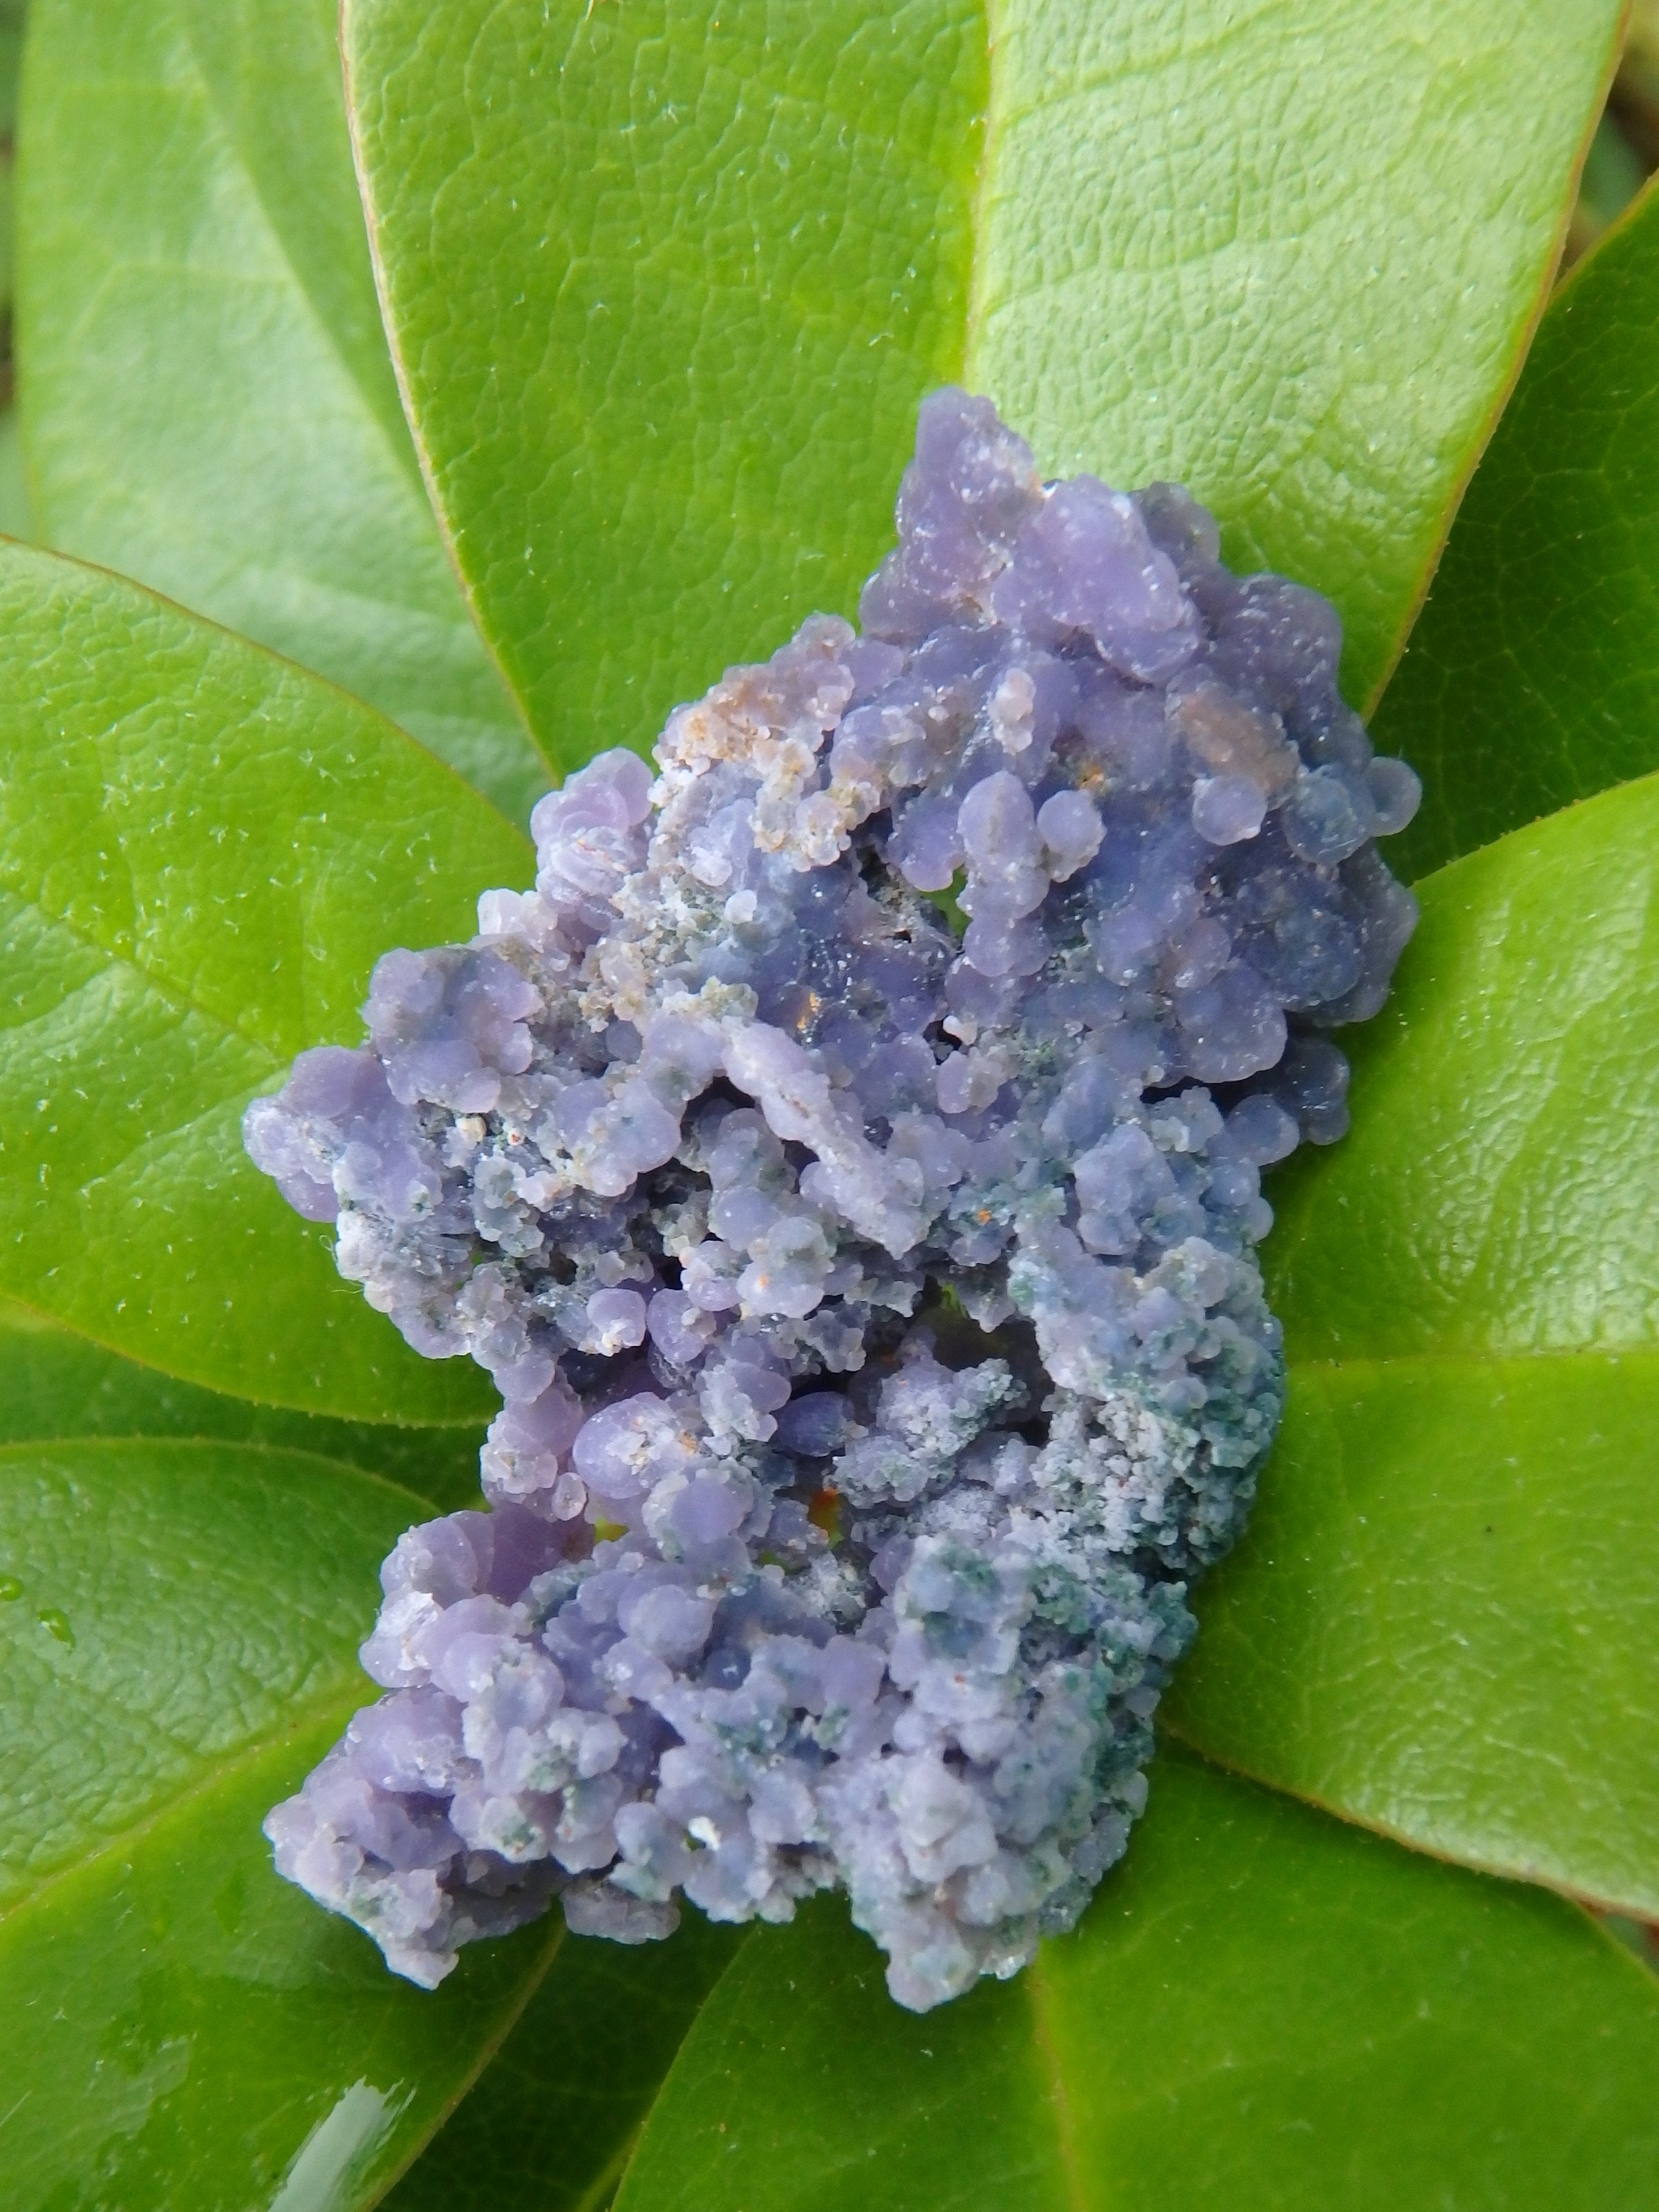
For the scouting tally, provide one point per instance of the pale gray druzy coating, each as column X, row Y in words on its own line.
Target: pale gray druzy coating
column 845, row 1161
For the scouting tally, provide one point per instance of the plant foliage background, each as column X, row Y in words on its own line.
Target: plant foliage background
column 660, row 285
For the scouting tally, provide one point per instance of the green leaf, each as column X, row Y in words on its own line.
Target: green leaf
column 177, row 2026
column 1613, row 174
column 1495, row 1197
column 1442, row 1620
column 203, row 851
column 1262, row 2009
column 16, row 515
column 168, row 1606
column 1533, row 678
column 553, row 2120
column 665, row 282
column 208, row 401
column 12, row 12
column 1290, row 256
column 55, row 1384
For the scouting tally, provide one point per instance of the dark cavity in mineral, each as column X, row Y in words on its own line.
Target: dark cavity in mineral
column 846, row 1162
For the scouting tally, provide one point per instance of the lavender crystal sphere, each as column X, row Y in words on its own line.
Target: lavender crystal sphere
column 875, row 1306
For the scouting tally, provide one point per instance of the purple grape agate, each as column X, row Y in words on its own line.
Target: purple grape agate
column 876, row 1309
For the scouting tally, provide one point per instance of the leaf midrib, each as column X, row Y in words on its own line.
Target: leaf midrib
column 15, row 1915
column 398, row 452
column 299, row 1721
column 297, row 1718
column 171, row 994
column 1003, row 116
column 994, row 130
column 38, row 1318
column 26, row 1447
column 141, row 499
column 1474, row 1356
column 401, row 450
column 1046, row 2043
column 331, row 1709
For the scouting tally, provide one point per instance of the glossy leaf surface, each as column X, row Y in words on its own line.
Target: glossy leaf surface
column 55, row 1385
column 553, row 2120
column 203, row 851
column 208, row 400
column 666, row 283
column 1497, row 1192
column 11, row 56
column 119, row 1704
column 1445, row 1614
column 177, row 2025
column 1533, row 678
column 1288, row 255
column 1263, row 2009
column 16, row 519
column 1443, row 1619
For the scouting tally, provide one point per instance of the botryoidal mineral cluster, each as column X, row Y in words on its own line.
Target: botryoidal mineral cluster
column 874, row 1298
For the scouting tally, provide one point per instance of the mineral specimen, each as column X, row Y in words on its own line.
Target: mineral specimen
column 846, row 1162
